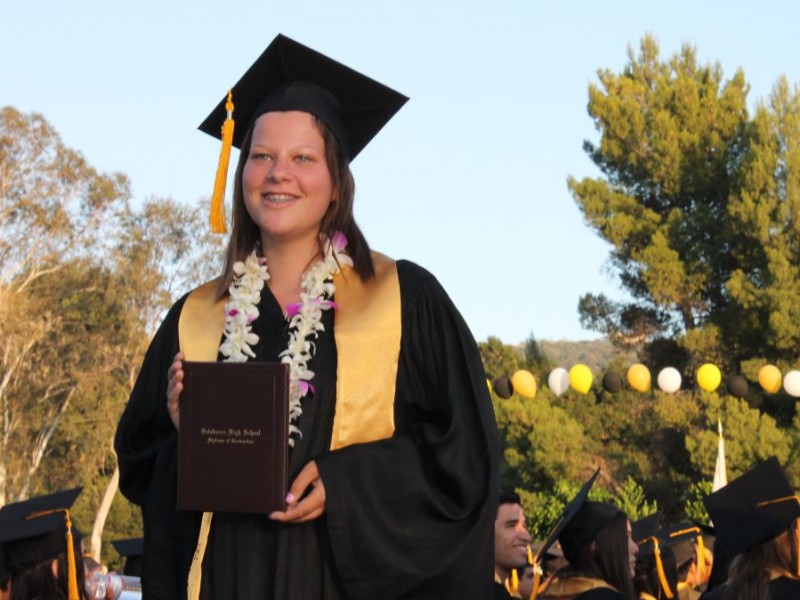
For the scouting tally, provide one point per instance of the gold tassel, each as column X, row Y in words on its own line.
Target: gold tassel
column 702, row 563
column 537, row 579
column 512, row 583
column 221, row 180
column 660, row 567
column 72, row 574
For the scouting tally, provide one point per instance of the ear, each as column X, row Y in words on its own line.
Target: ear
column 54, row 567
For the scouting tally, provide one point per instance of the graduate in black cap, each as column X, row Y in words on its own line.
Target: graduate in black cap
column 393, row 462
column 40, row 549
column 755, row 518
column 596, row 540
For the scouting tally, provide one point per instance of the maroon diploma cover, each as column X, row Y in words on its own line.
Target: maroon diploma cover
column 233, row 449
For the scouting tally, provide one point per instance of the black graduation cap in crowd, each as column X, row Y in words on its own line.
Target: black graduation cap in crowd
column 685, row 539
column 291, row 76
column 580, row 522
column 36, row 530
column 753, row 508
column 133, row 551
column 645, row 527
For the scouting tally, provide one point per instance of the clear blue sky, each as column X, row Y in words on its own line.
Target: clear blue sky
column 468, row 180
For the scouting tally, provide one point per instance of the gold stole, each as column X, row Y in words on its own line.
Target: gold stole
column 367, row 333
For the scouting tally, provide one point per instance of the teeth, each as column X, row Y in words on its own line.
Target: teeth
column 278, row 198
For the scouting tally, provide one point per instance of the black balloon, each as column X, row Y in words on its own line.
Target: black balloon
column 737, row 386
column 612, row 382
column 503, row 387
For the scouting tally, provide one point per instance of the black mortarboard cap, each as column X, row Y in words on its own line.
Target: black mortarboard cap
column 683, row 539
column 645, row 527
column 753, row 508
column 579, row 519
column 33, row 531
column 291, row 76
column 133, row 550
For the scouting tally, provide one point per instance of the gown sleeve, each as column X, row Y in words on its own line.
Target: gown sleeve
column 146, row 443
column 412, row 516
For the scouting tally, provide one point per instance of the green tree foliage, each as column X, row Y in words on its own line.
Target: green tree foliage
column 84, row 280
column 498, row 359
column 672, row 134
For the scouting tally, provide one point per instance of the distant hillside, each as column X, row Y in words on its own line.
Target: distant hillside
column 596, row 354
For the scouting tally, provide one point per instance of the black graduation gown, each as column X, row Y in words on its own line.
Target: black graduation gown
column 500, row 592
column 407, row 517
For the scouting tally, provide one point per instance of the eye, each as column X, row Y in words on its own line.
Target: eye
column 303, row 158
column 256, row 155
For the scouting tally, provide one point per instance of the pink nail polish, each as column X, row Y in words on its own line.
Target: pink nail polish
column 290, row 497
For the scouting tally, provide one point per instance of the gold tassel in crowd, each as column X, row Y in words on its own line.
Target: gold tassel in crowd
column 660, row 568
column 537, row 574
column 513, row 582
column 218, row 197
column 71, row 568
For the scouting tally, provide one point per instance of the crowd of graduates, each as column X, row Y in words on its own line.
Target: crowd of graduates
column 751, row 552
column 593, row 551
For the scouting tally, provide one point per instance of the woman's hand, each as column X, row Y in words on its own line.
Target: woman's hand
column 310, row 507
column 174, row 389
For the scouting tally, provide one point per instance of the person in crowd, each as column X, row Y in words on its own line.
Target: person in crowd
column 656, row 575
column 755, row 520
column 393, row 445
column 692, row 558
column 511, row 541
column 596, row 540
column 40, row 548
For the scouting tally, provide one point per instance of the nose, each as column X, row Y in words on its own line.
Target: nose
column 278, row 170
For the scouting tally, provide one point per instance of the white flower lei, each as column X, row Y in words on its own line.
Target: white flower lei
column 305, row 317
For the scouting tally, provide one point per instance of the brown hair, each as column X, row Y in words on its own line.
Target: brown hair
column 748, row 577
column 245, row 234
column 607, row 557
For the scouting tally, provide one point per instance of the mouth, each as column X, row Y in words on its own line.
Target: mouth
column 277, row 198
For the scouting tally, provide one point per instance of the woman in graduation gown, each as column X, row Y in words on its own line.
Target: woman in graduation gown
column 393, row 456
column 756, row 522
column 596, row 540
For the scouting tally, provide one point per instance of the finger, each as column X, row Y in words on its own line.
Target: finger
column 307, row 476
column 310, row 507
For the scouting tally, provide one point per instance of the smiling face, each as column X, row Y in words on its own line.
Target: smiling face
column 286, row 184
column 511, row 539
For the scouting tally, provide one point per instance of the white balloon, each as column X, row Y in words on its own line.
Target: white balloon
column 669, row 380
column 791, row 383
column 558, row 380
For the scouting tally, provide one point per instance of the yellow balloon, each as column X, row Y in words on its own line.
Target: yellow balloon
column 769, row 376
column 524, row 383
column 639, row 377
column 709, row 377
column 580, row 378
